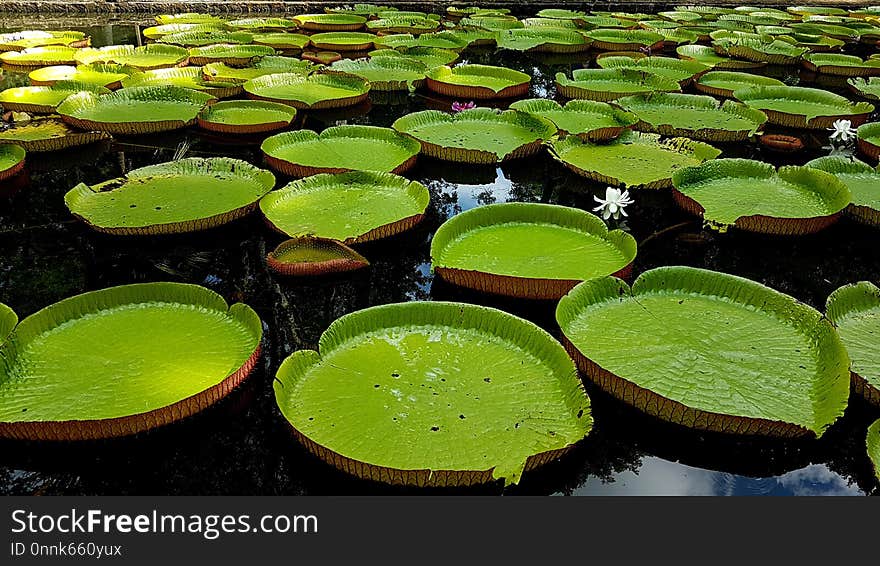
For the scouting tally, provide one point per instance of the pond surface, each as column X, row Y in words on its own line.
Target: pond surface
column 243, row 445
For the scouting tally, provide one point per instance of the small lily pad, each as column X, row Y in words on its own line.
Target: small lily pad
column 478, row 81
column 246, row 117
column 587, row 119
column 308, row 256
column 11, row 162
column 43, row 99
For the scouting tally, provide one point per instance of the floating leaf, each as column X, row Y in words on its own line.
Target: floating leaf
column 841, row 65
column 309, row 256
column 269, row 65
column 543, row 40
column 610, row 84
column 145, row 58
column 108, row 76
column 385, row 73
column 246, row 117
column 855, row 311
column 724, row 83
column 48, row 134
column 800, row 107
column 343, row 41
column 318, row 91
column 625, row 39
column 186, row 77
column 43, row 99
column 863, row 182
column 586, row 119
column 201, row 38
column 39, row 57
column 11, row 160
column 478, row 81
column 330, row 22
column 228, row 53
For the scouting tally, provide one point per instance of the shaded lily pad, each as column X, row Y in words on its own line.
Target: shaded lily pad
column 868, row 140
column 186, row 195
column 11, row 162
column 228, row 53
column 246, row 117
column 48, row 134
column 269, row 65
column 339, row 149
column 633, row 160
column 147, row 57
column 754, row 196
column 352, row 207
column 869, row 88
column 199, row 349
column 697, row 117
column 479, row 135
column 855, row 311
column 39, row 57
column 863, row 182
column 429, row 56
column 478, row 81
column 480, row 359
column 526, row 250
column 841, row 65
column 136, row 110
column 439, row 40
column 108, row 76
column 343, row 41
column 543, row 40
column 310, row 256
column 385, row 73
column 872, row 443
column 330, row 22
column 610, row 84
column 403, row 24
column 690, row 346
column 625, row 39
column 724, row 83
column 43, row 99
column 587, row 119
column 318, row 91
column 800, row 107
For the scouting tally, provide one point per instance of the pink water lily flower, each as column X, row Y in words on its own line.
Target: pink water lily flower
column 459, row 106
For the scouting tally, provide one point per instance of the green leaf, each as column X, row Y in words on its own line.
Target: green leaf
column 281, row 40
column 261, row 24
column 310, row 256
column 841, row 65
column 8, row 321
column 156, row 32
column 584, row 118
column 385, row 73
column 188, row 18
column 439, row 389
column 543, row 39
column 18, row 40
column 40, row 56
column 201, row 38
column 343, row 41
column 330, row 22
column 706, row 55
column 267, row 65
column 710, row 351
column 801, row 107
column 11, row 160
column 863, row 183
column 624, row 39
column 477, row 81
column 43, row 99
column 429, row 56
column 228, row 53
column 108, row 76
column 246, row 116
column 48, row 134
column 678, row 70
column 872, row 442
column 147, row 57
column 724, row 83
column 610, row 84
column 855, row 311
column 316, row 91
column 185, row 77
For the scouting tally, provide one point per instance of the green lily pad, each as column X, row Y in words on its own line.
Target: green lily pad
column 11, row 161
column 706, row 55
column 625, row 39
column 40, row 56
column 199, row 349
column 156, row 32
column 868, row 140
column 8, row 321
column 107, row 76
column 694, row 347
column 562, row 14
column 385, row 73
column 753, row 196
column 186, row 77
column 353, row 207
column 18, row 40
column 528, row 250
column 186, row 195
column 318, row 91
column 678, row 70
column 339, row 149
column 490, row 23
column 763, row 50
column 228, row 53
column 48, row 134
column 855, row 311
column 610, row 84
column 428, row 56
column 863, row 182
column 479, row 135
column 201, row 38
column 697, row 117
column 246, row 117
column 586, row 119
column 800, row 107
column 724, row 83
column 543, row 39
column 872, row 443
column 330, row 22
column 869, row 88
column 261, row 24
column 147, row 57
column 841, row 65
column 269, row 65
column 188, row 18
column 403, row 24
column 634, row 160
column 343, row 41
column 43, row 99
column 284, row 41
column 476, row 360
column 136, row 110
column 311, row 256
column 677, row 36
column 817, row 28
column 478, row 81
column 439, row 40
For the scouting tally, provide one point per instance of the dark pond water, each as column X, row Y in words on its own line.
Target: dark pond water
column 242, row 445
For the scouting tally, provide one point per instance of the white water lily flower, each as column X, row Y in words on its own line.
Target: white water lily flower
column 842, row 130
column 613, row 204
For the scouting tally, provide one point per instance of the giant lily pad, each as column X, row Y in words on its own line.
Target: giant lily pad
column 330, row 22
column 11, row 161
column 841, row 65
column 291, row 43
column 145, row 58
column 439, row 40
column 868, row 140
column 696, row 117
column 869, row 88
column 18, row 40
column 678, row 70
column 753, row 196
column 709, row 351
column 318, row 91
column 48, row 134
column 269, row 65
column 137, row 110
column 186, row 77
column 309, row 256
column 403, row 24
column 261, row 24
column 526, row 250
column 586, row 119
column 610, row 84
column 773, row 51
column 855, row 311
column 633, row 160
column 339, row 149
column 188, row 18
column 228, row 53
column 863, row 182
column 246, row 117
column 543, row 40
column 33, row 57
column 43, row 99
column 186, row 195
column 724, row 83
column 872, row 443
column 385, row 73
column 107, row 76
column 800, row 107
column 343, row 41
column 625, row 39
column 706, row 55
column 210, row 37
column 156, row 32
column 429, row 56
column 439, row 385
column 199, row 349
column 478, row 81
column 353, row 207
column 479, row 135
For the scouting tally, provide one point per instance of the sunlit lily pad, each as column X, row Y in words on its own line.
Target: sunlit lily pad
column 706, row 55
column 137, row 110
column 353, row 207
column 754, row 196
column 625, row 39
column 343, row 41
column 317, row 91
column 678, row 70
column 634, row 160
column 147, row 57
column 156, row 32
column 543, row 39
column 310, row 256
column 610, row 84
column 478, row 361
column 800, row 107
column 202, row 38
column 586, row 119
column 108, row 76
column 478, row 81
column 863, row 182
column 186, row 77
column 429, row 56
column 872, row 443
column 48, row 134
column 199, row 349
column 709, row 351
column 868, row 140
column 841, row 65
column 18, row 40
column 724, row 83
column 11, row 162
column 340, row 148
column 43, row 99
column 385, row 73
column 291, row 43
column 246, row 117
column 33, row 57
column 773, row 51
column 403, row 24
column 269, row 65
column 261, row 24
column 228, row 53
column 186, row 195
column 188, row 18
column 855, row 311
column 479, row 135
column 526, row 250
column 330, row 22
